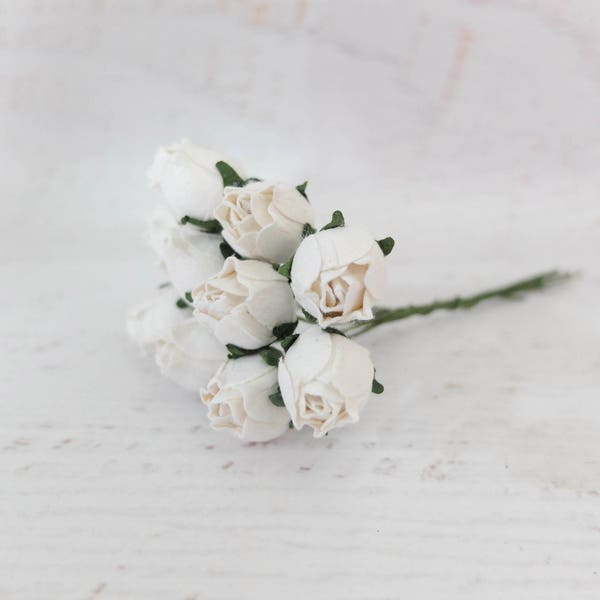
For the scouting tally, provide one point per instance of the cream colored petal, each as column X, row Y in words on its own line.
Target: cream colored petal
column 273, row 305
column 309, row 355
column 375, row 277
column 259, row 206
column 187, row 186
column 242, row 330
column 257, row 404
column 277, row 245
column 342, row 245
column 352, row 369
column 291, row 203
column 256, row 270
column 289, row 393
column 254, row 431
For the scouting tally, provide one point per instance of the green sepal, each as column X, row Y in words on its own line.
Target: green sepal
column 188, row 297
column 227, row 250
column 386, row 245
column 302, row 189
column 181, row 303
column 284, row 330
column 237, row 352
column 209, row 226
column 229, row 175
column 276, row 398
column 288, row 342
column 271, row 356
column 290, row 425
column 337, row 220
column 376, row 387
column 251, row 180
column 308, row 317
column 307, row 230
column 285, row 268
column 334, row 331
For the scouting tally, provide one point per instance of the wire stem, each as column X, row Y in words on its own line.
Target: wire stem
column 388, row 315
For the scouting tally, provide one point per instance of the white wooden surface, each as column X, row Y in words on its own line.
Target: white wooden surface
column 468, row 130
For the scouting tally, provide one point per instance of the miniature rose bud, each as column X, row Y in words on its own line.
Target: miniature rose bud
column 188, row 179
column 184, row 350
column 325, row 380
column 187, row 255
column 338, row 274
column 244, row 302
column 237, row 398
column 264, row 220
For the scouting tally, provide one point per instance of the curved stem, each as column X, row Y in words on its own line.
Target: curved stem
column 388, row 315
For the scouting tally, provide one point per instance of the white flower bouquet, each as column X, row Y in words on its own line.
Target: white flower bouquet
column 246, row 265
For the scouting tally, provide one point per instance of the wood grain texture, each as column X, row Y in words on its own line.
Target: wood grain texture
column 469, row 131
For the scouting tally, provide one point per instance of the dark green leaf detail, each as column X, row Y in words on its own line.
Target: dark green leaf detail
column 237, row 352
column 337, row 220
column 188, row 297
column 210, row 226
column 227, row 250
column 308, row 317
column 307, row 230
column 271, row 356
column 386, row 245
column 288, row 342
column 251, row 180
column 290, row 425
column 302, row 189
column 285, row 268
column 334, row 331
column 284, row 330
column 277, row 398
column 181, row 303
column 229, row 175
column 376, row 387
column 164, row 285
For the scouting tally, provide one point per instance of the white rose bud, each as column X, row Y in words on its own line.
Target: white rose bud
column 338, row 274
column 244, row 302
column 188, row 178
column 188, row 255
column 237, row 398
column 185, row 351
column 264, row 220
column 325, row 380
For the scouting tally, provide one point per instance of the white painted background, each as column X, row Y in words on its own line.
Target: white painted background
column 468, row 130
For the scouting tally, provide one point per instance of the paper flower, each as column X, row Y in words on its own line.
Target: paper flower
column 338, row 275
column 184, row 350
column 325, row 380
column 188, row 255
column 264, row 220
column 237, row 397
column 243, row 302
column 245, row 263
column 188, row 178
